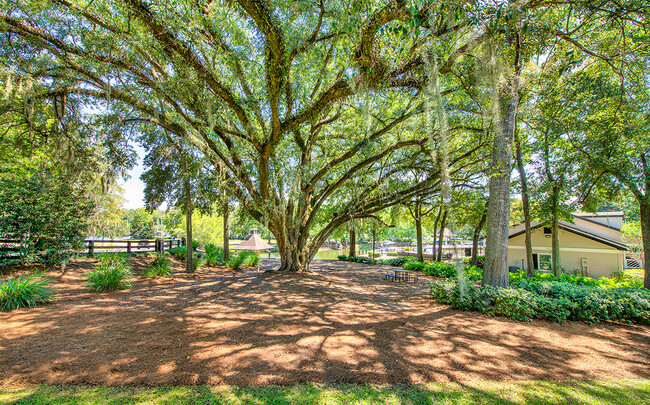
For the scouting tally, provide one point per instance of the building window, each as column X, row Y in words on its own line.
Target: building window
column 547, row 230
column 545, row 262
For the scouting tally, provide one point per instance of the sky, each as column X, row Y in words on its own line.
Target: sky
column 134, row 187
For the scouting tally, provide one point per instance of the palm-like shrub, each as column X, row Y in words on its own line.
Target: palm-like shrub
column 180, row 252
column 109, row 276
column 213, row 255
column 250, row 258
column 236, row 262
column 159, row 267
column 26, row 291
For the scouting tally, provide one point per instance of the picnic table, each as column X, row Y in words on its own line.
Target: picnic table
column 401, row 275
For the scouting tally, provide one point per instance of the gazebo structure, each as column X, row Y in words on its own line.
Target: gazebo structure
column 254, row 243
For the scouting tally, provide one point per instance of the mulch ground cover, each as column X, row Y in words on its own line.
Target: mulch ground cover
column 338, row 323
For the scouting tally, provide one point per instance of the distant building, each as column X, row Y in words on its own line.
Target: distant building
column 590, row 246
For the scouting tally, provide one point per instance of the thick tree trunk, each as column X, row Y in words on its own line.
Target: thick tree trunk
column 353, row 243
column 434, row 253
column 495, row 272
column 226, row 229
column 645, row 235
column 293, row 258
column 528, row 235
column 418, row 232
column 477, row 234
column 441, row 238
column 555, row 233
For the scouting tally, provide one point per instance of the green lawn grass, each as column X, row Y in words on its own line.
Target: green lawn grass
column 530, row 392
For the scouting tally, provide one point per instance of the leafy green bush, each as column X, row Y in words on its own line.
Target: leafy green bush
column 195, row 245
column 113, row 257
column 180, row 252
column 159, row 267
column 109, row 275
column 235, row 262
column 198, row 262
column 249, row 258
column 473, row 273
column 26, row 291
column 435, row 269
column 213, row 255
column 603, row 282
column 480, row 261
column 556, row 301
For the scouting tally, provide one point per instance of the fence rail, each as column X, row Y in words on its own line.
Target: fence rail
column 92, row 246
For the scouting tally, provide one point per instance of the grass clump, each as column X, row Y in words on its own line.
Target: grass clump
column 110, row 275
column 180, row 252
column 213, row 255
column 159, row 267
column 244, row 258
column 26, row 291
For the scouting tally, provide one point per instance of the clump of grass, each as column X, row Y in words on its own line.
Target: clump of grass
column 245, row 258
column 109, row 276
column 180, row 252
column 113, row 257
column 198, row 262
column 213, row 255
column 159, row 267
column 26, row 291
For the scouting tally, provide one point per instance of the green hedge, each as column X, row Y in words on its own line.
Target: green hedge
column 556, row 301
column 398, row 262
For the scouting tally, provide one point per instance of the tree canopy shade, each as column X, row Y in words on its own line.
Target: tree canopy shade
column 288, row 115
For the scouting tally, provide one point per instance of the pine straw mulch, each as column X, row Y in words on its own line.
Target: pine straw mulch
column 338, row 323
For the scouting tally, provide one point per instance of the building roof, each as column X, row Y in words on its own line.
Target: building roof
column 573, row 228
column 253, row 243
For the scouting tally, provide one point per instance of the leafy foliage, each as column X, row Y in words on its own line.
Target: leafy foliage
column 25, row 291
column 46, row 213
column 109, row 275
column 180, row 252
column 557, row 301
column 244, row 258
column 159, row 267
column 213, row 255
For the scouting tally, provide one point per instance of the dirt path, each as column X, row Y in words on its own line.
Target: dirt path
column 341, row 323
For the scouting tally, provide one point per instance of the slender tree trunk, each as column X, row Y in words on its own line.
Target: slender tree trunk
column 477, row 234
column 226, row 229
column 434, row 253
column 528, row 235
column 555, row 233
column 443, row 223
column 373, row 243
column 418, row 232
column 644, row 207
column 353, row 243
column 189, row 261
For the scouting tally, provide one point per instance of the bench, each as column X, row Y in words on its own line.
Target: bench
column 406, row 278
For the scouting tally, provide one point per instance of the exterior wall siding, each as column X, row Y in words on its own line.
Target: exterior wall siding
column 603, row 260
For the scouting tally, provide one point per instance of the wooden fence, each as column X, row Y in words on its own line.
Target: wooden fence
column 9, row 247
column 131, row 245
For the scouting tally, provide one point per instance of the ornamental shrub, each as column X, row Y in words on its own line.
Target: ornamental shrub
column 557, row 301
column 159, row 267
column 213, row 255
column 180, row 252
column 109, row 275
column 26, row 291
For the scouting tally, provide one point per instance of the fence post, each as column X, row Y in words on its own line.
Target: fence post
column 128, row 246
column 183, row 242
column 91, row 247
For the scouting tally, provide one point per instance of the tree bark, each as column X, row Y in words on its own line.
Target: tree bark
column 443, row 223
column 434, row 252
column 644, row 208
column 418, row 231
column 226, row 230
column 189, row 261
column 477, row 234
column 528, row 235
column 353, row 243
column 555, row 233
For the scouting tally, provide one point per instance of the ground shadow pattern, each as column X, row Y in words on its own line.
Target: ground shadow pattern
column 340, row 323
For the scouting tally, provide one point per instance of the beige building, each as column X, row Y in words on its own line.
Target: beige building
column 590, row 246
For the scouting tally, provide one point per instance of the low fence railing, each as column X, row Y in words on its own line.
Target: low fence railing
column 131, row 245
column 9, row 247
